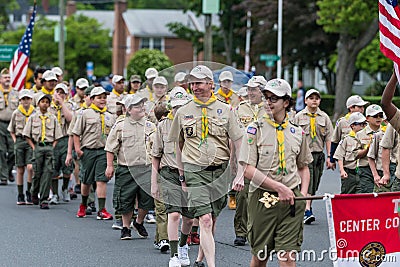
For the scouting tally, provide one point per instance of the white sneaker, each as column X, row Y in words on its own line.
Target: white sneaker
column 164, row 245
column 174, row 262
column 65, row 195
column 183, row 255
column 149, row 218
column 53, row 200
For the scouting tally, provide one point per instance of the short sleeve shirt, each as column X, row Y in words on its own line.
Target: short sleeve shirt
column 162, row 147
column 347, row 151
column 33, row 128
column 18, row 122
column 8, row 103
column 342, row 129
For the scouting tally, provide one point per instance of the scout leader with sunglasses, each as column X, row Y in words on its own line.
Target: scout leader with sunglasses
column 275, row 155
column 348, row 152
column 374, row 115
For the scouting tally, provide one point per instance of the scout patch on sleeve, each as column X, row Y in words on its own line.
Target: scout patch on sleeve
column 189, row 131
column 250, row 140
column 251, row 130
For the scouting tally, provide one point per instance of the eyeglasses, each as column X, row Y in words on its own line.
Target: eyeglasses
column 360, row 123
column 379, row 115
column 273, row 99
column 140, row 106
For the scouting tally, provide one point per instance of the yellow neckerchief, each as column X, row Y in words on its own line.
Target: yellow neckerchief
column 58, row 108
column 5, row 93
column 204, row 119
column 115, row 92
column 170, row 115
column 26, row 113
column 84, row 105
column 281, row 140
column 313, row 127
column 151, row 98
column 383, row 128
column 132, row 92
column 257, row 108
column 101, row 111
column 226, row 96
column 44, row 90
column 43, row 118
column 34, row 89
column 347, row 116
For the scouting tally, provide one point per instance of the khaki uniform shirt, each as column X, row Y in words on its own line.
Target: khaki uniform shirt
column 162, row 147
column 234, row 100
column 112, row 102
column 33, row 128
column 130, row 141
column 150, row 106
column 222, row 126
column 365, row 136
column 390, row 140
column 375, row 150
column 7, row 106
column 62, row 122
column 247, row 112
column 347, row 151
column 323, row 126
column 147, row 93
column 18, row 122
column 260, row 149
column 342, row 129
column 88, row 128
column 77, row 101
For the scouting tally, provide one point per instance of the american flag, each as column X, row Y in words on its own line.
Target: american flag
column 19, row 64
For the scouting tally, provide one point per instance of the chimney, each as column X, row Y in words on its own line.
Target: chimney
column 71, row 8
column 119, row 38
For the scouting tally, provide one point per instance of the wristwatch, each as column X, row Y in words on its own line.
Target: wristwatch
column 181, row 178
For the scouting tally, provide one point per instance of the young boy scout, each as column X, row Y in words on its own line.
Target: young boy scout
column 318, row 129
column 170, row 190
column 42, row 132
column 129, row 140
column 248, row 111
column 354, row 104
column 90, row 134
column 203, row 129
column 8, row 103
column 160, row 87
column 23, row 152
column 225, row 92
column 116, row 94
column 147, row 87
column 79, row 97
column 49, row 81
column 134, row 84
column 374, row 114
column 348, row 153
column 275, row 155
column 389, row 146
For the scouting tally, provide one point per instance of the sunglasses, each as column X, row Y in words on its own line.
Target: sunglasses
column 360, row 123
column 379, row 115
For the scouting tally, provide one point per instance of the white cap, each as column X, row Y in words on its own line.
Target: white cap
column 242, row 91
column 160, row 80
column 256, row 81
column 373, row 109
column 41, row 96
column 180, row 77
column 57, row 71
column 312, row 91
column 151, row 73
column 97, row 91
column 178, row 96
column 135, row 99
column 25, row 93
column 355, row 100
column 201, row 72
column 225, row 75
column 356, row 117
column 63, row 87
column 117, row 78
column 82, row 83
column 278, row 87
column 48, row 75
column 122, row 101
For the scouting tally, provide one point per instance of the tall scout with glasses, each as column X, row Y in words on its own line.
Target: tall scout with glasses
column 318, row 129
column 90, row 134
column 42, row 132
column 23, row 152
column 354, row 104
column 275, row 156
column 374, row 114
column 203, row 129
column 348, row 153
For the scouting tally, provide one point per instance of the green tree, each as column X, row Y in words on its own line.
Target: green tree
column 5, row 7
column 356, row 23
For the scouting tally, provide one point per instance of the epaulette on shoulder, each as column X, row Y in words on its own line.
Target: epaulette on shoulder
column 294, row 124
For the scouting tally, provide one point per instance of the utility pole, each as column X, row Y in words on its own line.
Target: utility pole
column 208, row 38
column 247, row 49
column 61, row 44
column 279, row 63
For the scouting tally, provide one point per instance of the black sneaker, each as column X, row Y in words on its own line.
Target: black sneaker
column 240, row 241
column 35, row 200
column 77, row 188
column 126, row 234
column 92, row 206
column 21, row 199
column 28, row 198
column 88, row 210
column 44, row 206
column 199, row 264
column 140, row 229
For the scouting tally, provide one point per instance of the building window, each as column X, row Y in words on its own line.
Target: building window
column 152, row 43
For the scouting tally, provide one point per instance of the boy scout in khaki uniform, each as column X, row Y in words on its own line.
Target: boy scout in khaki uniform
column 128, row 139
column 42, row 132
column 203, row 129
column 116, row 94
column 348, row 153
column 79, row 97
column 374, row 114
column 248, row 111
column 317, row 126
column 354, row 104
column 49, row 81
column 37, row 79
column 23, row 152
column 225, row 92
column 8, row 103
column 389, row 146
column 146, row 90
column 278, row 166
column 160, row 87
column 165, row 172
column 90, row 134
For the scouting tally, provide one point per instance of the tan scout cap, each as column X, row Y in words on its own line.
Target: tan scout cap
column 117, row 78
column 242, row 91
column 82, row 83
column 278, row 87
column 135, row 99
column 180, row 77
column 178, row 96
column 151, row 73
column 24, row 93
column 201, row 72
column 356, row 117
column 160, row 80
column 373, row 109
column 48, row 75
column 355, row 100
column 41, row 96
column 135, row 78
column 63, row 87
column 57, row 71
column 256, row 81
column 226, row 75
column 97, row 91
column 312, row 91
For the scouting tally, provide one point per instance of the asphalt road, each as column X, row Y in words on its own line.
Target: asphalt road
column 55, row 237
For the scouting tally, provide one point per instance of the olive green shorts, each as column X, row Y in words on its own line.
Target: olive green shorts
column 23, row 152
column 94, row 163
column 175, row 199
column 351, row 184
column 274, row 228
column 388, row 186
column 132, row 182
column 207, row 189
column 60, row 154
column 316, row 169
